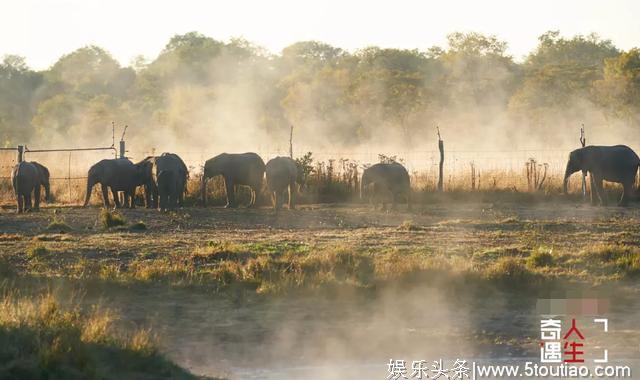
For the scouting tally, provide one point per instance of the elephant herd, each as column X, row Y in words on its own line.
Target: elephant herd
column 164, row 178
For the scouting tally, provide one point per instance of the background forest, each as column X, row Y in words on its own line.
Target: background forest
column 203, row 93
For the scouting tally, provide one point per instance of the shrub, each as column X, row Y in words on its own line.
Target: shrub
column 540, row 258
column 511, row 270
column 37, row 251
column 138, row 226
column 40, row 339
column 58, row 225
column 110, row 219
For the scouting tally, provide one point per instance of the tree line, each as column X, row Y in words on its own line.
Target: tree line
column 199, row 85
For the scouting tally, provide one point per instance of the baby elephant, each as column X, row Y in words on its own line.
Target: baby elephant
column 28, row 177
column 386, row 179
column 282, row 175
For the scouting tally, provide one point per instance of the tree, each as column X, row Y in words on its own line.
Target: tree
column 619, row 89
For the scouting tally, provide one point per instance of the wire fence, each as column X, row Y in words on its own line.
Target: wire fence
column 482, row 168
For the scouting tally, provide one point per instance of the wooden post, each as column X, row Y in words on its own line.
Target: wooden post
column 291, row 142
column 441, row 171
column 583, row 142
column 122, row 143
column 20, row 153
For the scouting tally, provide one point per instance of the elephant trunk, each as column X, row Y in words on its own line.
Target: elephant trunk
column 90, row 183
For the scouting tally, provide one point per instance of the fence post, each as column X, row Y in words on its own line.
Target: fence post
column 441, row 168
column 122, row 149
column 291, row 142
column 583, row 141
column 20, row 153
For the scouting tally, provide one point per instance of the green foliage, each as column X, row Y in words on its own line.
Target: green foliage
column 346, row 97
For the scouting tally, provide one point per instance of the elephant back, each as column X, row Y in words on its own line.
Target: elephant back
column 390, row 174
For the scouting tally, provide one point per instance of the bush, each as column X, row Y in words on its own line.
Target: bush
column 40, row 339
column 58, row 225
column 110, row 219
column 37, row 251
column 138, row 226
column 512, row 271
column 540, row 258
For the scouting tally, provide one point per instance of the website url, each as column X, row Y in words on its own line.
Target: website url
column 536, row 370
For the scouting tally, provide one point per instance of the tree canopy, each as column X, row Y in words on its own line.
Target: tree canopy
column 199, row 88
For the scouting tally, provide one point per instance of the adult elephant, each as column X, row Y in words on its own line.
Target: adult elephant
column 237, row 169
column 28, row 177
column 167, row 162
column 390, row 178
column 117, row 174
column 283, row 174
column 617, row 163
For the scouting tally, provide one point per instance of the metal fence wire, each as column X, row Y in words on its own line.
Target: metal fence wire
column 69, row 167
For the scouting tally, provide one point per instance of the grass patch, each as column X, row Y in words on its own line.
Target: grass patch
column 41, row 339
column 109, row 219
column 37, row 251
column 510, row 271
column 408, row 225
column 540, row 258
column 620, row 259
column 58, row 226
column 138, row 226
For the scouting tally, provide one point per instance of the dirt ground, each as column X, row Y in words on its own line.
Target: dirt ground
column 302, row 336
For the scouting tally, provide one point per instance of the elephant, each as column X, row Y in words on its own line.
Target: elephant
column 283, row 173
column 237, row 169
column 153, row 165
column 118, row 174
column 387, row 178
column 168, row 184
column 617, row 163
column 27, row 177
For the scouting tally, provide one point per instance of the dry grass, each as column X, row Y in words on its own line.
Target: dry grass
column 42, row 338
column 110, row 219
column 328, row 247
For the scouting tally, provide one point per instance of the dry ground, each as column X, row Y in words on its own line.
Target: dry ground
column 483, row 263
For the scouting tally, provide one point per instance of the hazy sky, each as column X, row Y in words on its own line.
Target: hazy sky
column 44, row 30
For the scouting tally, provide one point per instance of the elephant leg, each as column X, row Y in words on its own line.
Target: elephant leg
column 147, row 196
column 154, row 194
column 162, row 203
column 181, row 190
column 27, row 201
column 131, row 198
column 231, row 193
column 279, row 199
column 627, row 194
column 292, row 196
column 36, row 198
column 600, row 191
column 116, row 198
column 105, row 195
column 252, row 202
column 594, row 191
column 20, row 200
